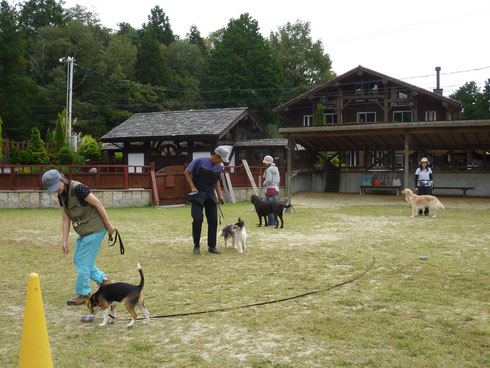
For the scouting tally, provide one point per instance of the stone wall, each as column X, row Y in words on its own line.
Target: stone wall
column 41, row 198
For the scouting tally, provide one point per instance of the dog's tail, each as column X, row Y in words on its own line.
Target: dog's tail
column 439, row 206
column 142, row 282
column 220, row 233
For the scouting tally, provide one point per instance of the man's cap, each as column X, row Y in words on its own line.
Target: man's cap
column 268, row 160
column 223, row 153
column 51, row 180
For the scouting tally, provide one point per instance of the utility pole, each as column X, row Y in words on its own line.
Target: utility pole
column 72, row 140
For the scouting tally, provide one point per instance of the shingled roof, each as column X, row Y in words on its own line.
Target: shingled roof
column 166, row 125
column 267, row 142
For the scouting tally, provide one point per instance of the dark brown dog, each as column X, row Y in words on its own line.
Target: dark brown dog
column 264, row 208
column 111, row 294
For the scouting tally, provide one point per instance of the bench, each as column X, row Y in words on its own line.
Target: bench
column 363, row 188
column 464, row 189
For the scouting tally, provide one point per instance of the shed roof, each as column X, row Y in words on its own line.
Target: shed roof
column 268, row 142
column 174, row 125
column 456, row 134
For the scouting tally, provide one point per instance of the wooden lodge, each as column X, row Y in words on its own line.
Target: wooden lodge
column 374, row 122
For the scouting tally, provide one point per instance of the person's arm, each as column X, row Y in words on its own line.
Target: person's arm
column 93, row 201
column 268, row 177
column 188, row 177
column 65, row 225
column 416, row 180
column 217, row 186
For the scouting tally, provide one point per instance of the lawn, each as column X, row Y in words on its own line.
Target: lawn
column 405, row 312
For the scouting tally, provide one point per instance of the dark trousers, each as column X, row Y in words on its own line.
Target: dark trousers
column 424, row 191
column 211, row 211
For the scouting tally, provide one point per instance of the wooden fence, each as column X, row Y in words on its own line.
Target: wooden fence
column 29, row 177
column 8, row 144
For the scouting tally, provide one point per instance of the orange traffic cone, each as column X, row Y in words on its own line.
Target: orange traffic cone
column 34, row 347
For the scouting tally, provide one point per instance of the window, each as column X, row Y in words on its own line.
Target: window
column 403, row 95
column 430, row 116
column 330, row 119
column 402, row 116
column 307, row 120
column 366, row 117
column 353, row 158
column 373, row 88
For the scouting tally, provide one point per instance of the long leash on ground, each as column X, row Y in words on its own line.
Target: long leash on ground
column 270, row 301
column 114, row 240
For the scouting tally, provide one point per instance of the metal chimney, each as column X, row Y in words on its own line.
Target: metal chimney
column 438, row 89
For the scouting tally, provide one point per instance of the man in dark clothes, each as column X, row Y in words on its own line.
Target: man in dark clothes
column 203, row 176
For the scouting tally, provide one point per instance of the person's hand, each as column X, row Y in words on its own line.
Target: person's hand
column 221, row 200
column 194, row 190
column 64, row 248
column 416, row 190
column 111, row 229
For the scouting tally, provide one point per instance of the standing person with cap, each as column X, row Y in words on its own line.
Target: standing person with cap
column 423, row 181
column 89, row 219
column 271, row 185
column 203, row 176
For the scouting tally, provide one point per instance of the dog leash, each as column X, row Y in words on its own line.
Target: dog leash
column 114, row 240
column 220, row 215
column 270, row 301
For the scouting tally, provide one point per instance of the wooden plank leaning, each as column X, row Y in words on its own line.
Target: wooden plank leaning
column 250, row 177
column 230, row 187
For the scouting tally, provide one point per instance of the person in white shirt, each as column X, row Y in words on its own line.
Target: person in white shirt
column 423, row 181
column 271, row 184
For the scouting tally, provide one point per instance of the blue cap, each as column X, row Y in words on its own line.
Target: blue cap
column 51, row 180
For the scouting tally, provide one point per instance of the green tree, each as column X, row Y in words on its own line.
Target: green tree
column 150, row 62
column 194, row 38
column 319, row 115
column 66, row 156
column 241, row 70
column 35, row 14
column 16, row 88
column 159, row 26
column 37, row 148
column 59, row 133
column 476, row 104
column 304, row 62
column 89, row 148
column 1, row 154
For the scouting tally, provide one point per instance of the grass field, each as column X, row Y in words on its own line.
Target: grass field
column 405, row 312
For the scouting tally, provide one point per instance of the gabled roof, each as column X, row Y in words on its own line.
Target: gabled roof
column 353, row 72
column 173, row 125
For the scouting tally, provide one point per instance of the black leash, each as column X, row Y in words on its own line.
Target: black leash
column 268, row 302
column 114, row 240
column 220, row 215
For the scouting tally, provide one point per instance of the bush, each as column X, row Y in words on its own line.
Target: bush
column 89, row 148
column 14, row 156
column 25, row 158
column 66, row 156
column 1, row 154
column 37, row 149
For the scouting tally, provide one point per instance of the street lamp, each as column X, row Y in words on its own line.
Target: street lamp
column 72, row 141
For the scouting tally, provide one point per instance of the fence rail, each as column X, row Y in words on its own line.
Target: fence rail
column 29, row 177
column 239, row 177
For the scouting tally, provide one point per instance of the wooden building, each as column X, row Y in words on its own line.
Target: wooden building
column 375, row 122
column 173, row 138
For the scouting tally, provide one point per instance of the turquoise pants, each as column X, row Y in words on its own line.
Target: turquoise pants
column 86, row 250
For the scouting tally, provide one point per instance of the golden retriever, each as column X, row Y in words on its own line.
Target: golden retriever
column 417, row 202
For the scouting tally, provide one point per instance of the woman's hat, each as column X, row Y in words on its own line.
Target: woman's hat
column 424, row 159
column 51, row 180
column 268, row 160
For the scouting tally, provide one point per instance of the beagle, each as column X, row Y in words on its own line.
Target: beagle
column 111, row 294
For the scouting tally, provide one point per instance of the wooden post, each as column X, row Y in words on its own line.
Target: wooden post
column 289, row 169
column 126, row 178
column 230, row 187
column 154, row 188
column 406, row 167
column 250, row 177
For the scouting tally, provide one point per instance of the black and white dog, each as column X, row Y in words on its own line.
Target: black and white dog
column 237, row 234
